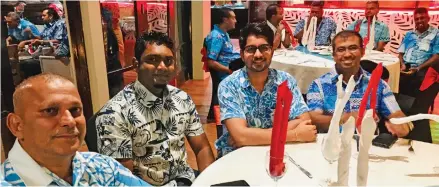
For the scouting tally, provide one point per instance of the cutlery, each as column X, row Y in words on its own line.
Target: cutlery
column 307, row 173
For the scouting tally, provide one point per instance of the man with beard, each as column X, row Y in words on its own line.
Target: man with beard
column 144, row 125
column 363, row 26
column 248, row 97
column 50, row 127
column 325, row 25
column 418, row 51
column 275, row 15
column 347, row 52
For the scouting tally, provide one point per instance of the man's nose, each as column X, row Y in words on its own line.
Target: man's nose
column 67, row 119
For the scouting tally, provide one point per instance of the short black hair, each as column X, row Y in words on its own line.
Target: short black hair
column 374, row 2
column 258, row 29
column 345, row 34
column 271, row 10
column 223, row 12
column 420, row 10
column 318, row 3
column 151, row 38
column 52, row 12
column 19, row 2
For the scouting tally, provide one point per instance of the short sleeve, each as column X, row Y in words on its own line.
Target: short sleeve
column 298, row 105
column 385, row 35
column 402, row 46
column 388, row 104
column 34, row 30
column 194, row 127
column 214, row 47
column 435, row 44
column 314, row 98
column 229, row 102
column 299, row 27
column 114, row 133
column 351, row 26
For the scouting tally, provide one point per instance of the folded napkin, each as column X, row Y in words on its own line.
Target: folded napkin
column 290, row 33
column 279, row 131
column 309, row 33
column 371, row 35
column 431, row 77
column 345, row 153
column 368, row 127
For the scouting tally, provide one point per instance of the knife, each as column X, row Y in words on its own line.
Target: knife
column 307, row 173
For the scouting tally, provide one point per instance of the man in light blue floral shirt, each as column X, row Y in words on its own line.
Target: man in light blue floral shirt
column 19, row 29
column 325, row 26
column 418, row 51
column 322, row 94
column 382, row 36
column 50, row 127
column 220, row 53
column 248, row 97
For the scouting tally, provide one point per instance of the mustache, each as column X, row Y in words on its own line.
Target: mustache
column 72, row 131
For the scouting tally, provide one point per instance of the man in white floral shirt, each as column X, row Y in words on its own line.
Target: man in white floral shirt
column 144, row 125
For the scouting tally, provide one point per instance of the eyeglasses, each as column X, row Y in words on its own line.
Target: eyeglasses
column 157, row 59
column 351, row 49
column 251, row 49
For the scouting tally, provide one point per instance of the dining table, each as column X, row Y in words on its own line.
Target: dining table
column 406, row 163
column 307, row 65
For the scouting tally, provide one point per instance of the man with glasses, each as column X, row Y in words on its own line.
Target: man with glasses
column 348, row 50
column 144, row 126
column 248, row 97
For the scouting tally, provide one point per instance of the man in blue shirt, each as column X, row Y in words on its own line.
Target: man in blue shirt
column 248, row 97
column 418, row 51
column 348, row 50
column 382, row 35
column 220, row 52
column 19, row 29
column 50, row 127
column 325, row 26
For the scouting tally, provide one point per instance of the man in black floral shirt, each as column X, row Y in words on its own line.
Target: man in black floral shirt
column 144, row 125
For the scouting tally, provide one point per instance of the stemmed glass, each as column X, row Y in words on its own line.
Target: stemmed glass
column 276, row 178
column 331, row 157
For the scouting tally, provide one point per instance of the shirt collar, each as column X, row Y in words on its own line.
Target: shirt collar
column 334, row 75
column 26, row 168
column 271, row 26
column 144, row 95
column 425, row 33
column 216, row 27
column 245, row 82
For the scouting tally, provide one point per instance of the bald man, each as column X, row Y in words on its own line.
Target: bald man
column 50, row 127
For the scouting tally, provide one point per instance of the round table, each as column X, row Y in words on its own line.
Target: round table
column 307, row 66
column 394, row 166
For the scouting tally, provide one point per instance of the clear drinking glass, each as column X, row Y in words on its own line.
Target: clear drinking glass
column 329, row 180
column 267, row 167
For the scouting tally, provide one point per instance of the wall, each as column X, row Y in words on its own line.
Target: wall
column 200, row 19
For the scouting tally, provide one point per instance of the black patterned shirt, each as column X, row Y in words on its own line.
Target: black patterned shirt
column 138, row 125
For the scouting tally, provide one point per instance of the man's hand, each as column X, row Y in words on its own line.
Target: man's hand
column 403, row 67
column 22, row 44
column 8, row 40
column 397, row 130
column 280, row 27
column 410, row 72
column 306, row 132
column 36, row 42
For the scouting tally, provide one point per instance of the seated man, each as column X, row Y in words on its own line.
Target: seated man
column 19, row 29
column 275, row 14
column 325, row 25
column 382, row 36
column 248, row 97
column 220, row 54
column 347, row 51
column 144, row 125
column 54, row 32
column 50, row 128
column 418, row 51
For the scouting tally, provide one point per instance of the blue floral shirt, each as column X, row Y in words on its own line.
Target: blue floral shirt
column 381, row 30
column 18, row 32
column 239, row 99
column 322, row 95
column 418, row 48
column 219, row 48
column 325, row 29
column 89, row 169
column 57, row 30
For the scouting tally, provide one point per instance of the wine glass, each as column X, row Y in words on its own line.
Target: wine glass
column 330, row 157
column 276, row 177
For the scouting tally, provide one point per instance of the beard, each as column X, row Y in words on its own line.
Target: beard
column 160, row 86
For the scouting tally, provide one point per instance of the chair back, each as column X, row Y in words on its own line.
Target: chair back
column 369, row 66
column 52, row 65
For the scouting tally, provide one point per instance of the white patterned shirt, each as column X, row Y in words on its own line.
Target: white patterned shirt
column 89, row 169
column 135, row 124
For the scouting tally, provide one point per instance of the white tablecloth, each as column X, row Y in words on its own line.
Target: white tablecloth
column 307, row 67
column 395, row 166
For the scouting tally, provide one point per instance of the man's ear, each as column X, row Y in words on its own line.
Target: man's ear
column 135, row 62
column 15, row 125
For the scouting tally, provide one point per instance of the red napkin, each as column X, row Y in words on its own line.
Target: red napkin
column 357, row 29
column 204, row 59
column 287, row 27
column 372, row 89
column 279, row 131
column 430, row 78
